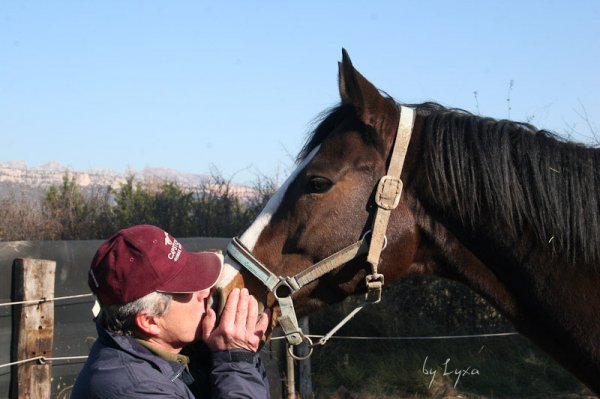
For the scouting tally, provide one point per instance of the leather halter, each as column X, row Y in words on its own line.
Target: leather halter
column 387, row 197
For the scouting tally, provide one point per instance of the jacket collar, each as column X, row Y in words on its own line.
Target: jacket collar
column 130, row 345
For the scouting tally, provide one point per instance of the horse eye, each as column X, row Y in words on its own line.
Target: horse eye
column 318, row 184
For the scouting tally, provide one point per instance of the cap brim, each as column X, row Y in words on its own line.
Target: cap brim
column 200, row 272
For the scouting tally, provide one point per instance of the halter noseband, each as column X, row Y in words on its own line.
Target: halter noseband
column 387, row 197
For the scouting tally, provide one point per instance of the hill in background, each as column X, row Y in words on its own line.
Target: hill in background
column 51, row 173
column 19, row 177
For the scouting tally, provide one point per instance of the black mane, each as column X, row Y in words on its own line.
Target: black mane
column 507, row 172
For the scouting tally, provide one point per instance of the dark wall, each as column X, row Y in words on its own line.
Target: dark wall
column 74, row 330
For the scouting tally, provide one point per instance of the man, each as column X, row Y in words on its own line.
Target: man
column 154, row 299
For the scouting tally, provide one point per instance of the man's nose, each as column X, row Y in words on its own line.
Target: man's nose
column 202, row 295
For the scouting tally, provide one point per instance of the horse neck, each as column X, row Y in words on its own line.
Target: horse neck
column 473, row 208
column 553, row 304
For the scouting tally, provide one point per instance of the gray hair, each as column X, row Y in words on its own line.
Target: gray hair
column 120, row 319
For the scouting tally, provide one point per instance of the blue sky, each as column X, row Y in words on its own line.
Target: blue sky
column 233, row 86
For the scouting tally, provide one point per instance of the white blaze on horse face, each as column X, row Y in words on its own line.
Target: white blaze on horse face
column 250, row 236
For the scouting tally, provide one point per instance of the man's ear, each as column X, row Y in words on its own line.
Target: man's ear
column 147, row 324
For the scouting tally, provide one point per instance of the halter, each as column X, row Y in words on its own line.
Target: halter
column 387, row 197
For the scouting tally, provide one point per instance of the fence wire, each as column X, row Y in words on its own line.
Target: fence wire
column 43, row 359
column 350, row 337
column 43, row 300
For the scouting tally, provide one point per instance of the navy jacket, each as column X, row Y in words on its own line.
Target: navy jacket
column 120, row 367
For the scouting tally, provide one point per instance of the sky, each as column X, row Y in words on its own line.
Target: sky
column 233, row 87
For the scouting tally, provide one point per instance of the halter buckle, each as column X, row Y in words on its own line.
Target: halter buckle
column 374, row 284
column 389, row 191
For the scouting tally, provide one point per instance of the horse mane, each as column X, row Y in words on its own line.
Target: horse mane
column 529, row 180
column 509, row 173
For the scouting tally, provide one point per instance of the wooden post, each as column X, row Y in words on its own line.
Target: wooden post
column 34, row 279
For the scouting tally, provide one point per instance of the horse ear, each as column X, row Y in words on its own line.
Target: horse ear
column 357, row 91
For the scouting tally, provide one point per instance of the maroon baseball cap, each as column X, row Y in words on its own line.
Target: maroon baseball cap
column 142, row 259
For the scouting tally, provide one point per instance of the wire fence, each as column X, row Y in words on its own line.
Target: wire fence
column 43, row 359
column 43, row 300
column 421, row 338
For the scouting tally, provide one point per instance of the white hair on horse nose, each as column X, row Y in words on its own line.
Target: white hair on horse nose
column 250, row 236
column 230, row 270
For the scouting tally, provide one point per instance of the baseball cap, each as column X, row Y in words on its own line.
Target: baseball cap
column 142, row 259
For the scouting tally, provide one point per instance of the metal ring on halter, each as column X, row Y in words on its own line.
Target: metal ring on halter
column 303, row 357
column 385, row 241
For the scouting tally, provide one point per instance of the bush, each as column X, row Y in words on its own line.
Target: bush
column 507, row 366
column 69, row 212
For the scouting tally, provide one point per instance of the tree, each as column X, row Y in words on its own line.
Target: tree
column 75, row 215
column 98, row 220
column 211, row 215
column 172, row 208
column 133, row 205
column 65, row 205
column 22, row 217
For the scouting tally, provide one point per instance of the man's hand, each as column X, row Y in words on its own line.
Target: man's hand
column 238, row 328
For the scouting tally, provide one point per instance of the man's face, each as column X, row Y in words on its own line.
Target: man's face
column 181, row 324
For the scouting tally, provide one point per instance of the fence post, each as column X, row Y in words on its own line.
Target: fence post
column 304, row 366
column 34, row 324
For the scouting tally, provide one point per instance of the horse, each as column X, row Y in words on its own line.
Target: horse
column 511, row 211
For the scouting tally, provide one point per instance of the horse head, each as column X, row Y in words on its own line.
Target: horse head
column 327, row 204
